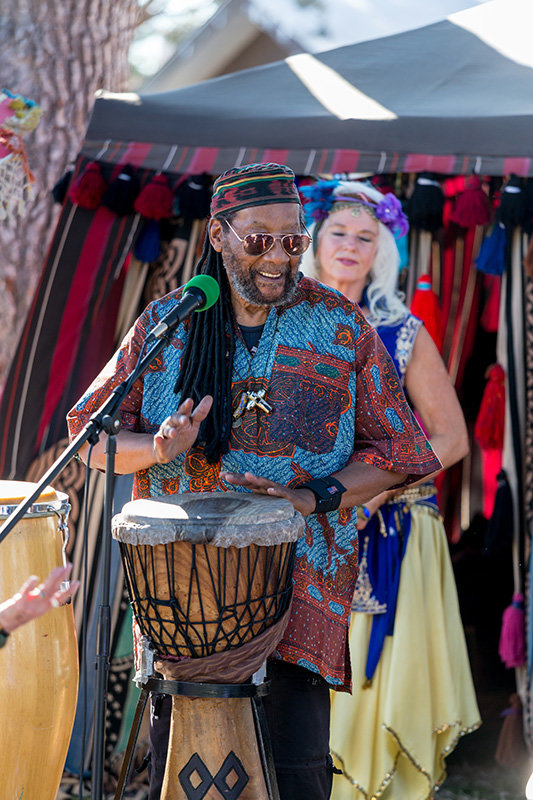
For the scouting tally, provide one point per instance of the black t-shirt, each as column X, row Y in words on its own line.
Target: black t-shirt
column 251, row 336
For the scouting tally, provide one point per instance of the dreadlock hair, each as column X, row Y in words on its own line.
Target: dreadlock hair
column 207, row 361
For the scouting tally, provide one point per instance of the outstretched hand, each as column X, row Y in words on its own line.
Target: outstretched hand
column 303, row 500
column 34, row 598
column 179, row 431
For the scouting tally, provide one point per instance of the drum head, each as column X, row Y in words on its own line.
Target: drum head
column 12, row 492
column 224, row 519
column 207, row 572
column 48, row 502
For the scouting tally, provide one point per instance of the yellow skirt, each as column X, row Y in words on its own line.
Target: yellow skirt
column 391, row 739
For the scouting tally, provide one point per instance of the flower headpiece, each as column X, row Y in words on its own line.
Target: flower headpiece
column 321, row 196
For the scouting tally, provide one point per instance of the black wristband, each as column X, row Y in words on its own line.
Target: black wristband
column 3, row 637
column 327, row 491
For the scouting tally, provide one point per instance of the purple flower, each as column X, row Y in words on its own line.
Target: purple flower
column 389, row 212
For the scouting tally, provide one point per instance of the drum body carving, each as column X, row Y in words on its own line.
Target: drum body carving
column 39, row 662
column 209, row 577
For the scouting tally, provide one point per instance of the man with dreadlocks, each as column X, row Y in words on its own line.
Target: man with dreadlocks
column 281, row 388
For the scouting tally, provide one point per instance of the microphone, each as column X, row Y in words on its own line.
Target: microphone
column 199, row 294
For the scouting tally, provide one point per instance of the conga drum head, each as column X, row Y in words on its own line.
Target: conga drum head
column 207, row 572
column 13, row 492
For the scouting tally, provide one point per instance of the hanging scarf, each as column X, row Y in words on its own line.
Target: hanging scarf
column 383, row 544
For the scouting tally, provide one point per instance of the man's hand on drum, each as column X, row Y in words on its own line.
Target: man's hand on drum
column 303, row 500
column 179, row 431
column 34, row 598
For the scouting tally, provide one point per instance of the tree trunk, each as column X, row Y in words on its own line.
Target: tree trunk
column 58, row 53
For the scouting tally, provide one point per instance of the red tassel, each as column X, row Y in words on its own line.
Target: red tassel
column 156, row 199
column 88, row 189
column 490, row 423
column 512, row 648
column 425, row 306
column 472, row 206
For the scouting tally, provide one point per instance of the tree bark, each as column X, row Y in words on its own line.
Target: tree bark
column 58, row 53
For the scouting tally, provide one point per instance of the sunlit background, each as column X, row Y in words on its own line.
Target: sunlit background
column 259, row 31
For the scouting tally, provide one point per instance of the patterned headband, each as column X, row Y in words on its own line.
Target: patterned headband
column 321, row 197
column 253, row 185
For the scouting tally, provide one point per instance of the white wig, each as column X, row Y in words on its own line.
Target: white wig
column 385, row 306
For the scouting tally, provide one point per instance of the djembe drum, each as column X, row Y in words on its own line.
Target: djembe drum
column 39, row 663
column 210, row 582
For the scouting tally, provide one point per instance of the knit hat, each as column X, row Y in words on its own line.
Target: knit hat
column 253, row 185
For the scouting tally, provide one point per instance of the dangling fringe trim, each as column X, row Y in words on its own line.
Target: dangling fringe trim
column 383, row 785
column 402, row 750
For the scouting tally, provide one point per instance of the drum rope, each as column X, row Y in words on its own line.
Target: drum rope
column 215, row 612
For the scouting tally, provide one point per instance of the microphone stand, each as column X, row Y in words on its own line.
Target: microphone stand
column 105, row 420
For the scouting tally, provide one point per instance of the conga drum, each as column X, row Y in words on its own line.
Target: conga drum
column 210, row 582
column 39, row 663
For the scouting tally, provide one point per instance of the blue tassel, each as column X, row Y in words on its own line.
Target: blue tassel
column 148, row 245
column 491, row 258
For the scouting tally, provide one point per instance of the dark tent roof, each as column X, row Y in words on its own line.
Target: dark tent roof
column 443, row 97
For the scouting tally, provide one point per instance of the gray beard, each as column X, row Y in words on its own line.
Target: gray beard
column 244, row 285
column 250, row 293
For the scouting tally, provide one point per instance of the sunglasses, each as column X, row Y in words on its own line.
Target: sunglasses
column 257, row 244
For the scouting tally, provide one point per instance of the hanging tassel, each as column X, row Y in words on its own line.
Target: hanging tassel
column 148, row 245
column 155, row 200
column 426, row 204
column 88, row 189
column 425, row 306
column 472, row 206
column 490, row 422
column 513, row 209
column 491, row 258
column 123, row 188
column 511, row 749
column 59, row 191
column 193, row 196
column 512, row 648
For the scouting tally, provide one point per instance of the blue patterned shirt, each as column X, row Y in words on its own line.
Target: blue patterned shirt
column 336, row 399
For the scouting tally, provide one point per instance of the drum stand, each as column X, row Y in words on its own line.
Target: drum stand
column 105, row 420
column 195, row 765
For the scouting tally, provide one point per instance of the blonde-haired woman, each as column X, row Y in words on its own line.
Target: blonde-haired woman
column 413, row 695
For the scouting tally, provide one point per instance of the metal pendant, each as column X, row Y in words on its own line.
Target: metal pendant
column 257, row 400
column 239, row 411
column 251, row 401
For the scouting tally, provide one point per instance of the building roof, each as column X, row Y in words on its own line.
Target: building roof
column 452, row 97
column 246, row 33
